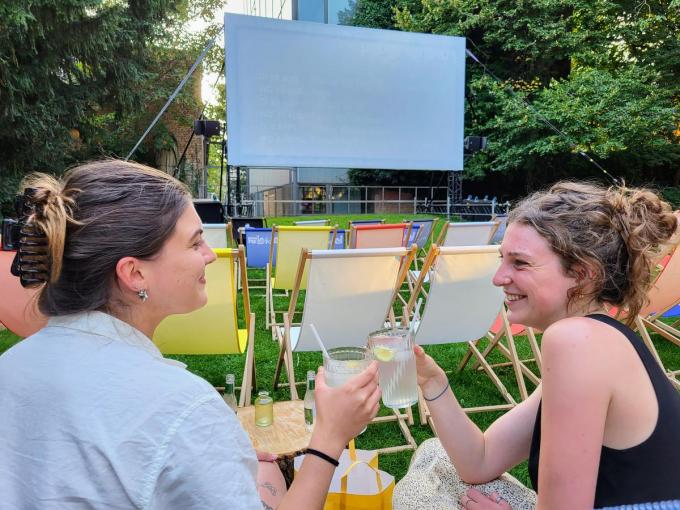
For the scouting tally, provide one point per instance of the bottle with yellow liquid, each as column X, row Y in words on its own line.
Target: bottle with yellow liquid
column 264, row 409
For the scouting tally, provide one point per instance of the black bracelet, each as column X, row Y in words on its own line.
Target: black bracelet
column 323, row 456
column 440, row 394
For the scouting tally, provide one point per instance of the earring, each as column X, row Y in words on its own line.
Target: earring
column 143, row 295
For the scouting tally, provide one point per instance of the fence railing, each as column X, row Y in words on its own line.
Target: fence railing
column 297, row 199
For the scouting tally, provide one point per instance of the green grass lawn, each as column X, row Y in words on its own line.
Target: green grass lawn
column 473, row 388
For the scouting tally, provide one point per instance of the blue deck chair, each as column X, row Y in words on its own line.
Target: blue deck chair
column 339, row 243
column 257, row 241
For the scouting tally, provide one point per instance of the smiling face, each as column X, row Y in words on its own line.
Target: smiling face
column 533, row 279
column 176, row 276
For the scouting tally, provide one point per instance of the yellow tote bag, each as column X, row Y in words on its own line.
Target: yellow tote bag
column 358, row 484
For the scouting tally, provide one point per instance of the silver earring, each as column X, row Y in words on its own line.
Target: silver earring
column 143, row 295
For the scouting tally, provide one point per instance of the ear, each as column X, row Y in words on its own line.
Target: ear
column 130, row 276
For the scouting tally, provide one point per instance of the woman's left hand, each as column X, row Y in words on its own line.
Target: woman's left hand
column 476, row 500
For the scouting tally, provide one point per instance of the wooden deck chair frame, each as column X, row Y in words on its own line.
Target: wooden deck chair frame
column 445, row 239
column 430, row 266
column 664, row 295
column 192, row 321
column 505, row 330
column 357, row 230
column 321, row 299
column 288, row 265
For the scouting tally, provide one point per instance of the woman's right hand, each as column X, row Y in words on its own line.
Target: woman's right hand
column 429, row 373
column 344, row 411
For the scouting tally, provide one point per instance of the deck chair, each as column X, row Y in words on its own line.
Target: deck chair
column 379, row 236
column 311, row 223
column 663, row 296
column 339, row 242
column 503, row 329
column 214, row 329
column 349, row 294
column 290, row 241
column 461, row 306
column 425, row 233
column 366, row 222
column 18, row 306
column 257, row 244
column 218, row 235
column 467, row 233
column 502, row 220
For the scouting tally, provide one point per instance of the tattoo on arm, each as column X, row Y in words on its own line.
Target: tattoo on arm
column 265, row 506
column 270, row 488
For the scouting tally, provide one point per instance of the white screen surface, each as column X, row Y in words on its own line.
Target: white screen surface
column 312, row 95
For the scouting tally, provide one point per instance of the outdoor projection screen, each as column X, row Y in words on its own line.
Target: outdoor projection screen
column 305, row 94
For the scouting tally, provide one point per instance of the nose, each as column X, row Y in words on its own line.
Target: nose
column 502, row 277
column 208, row 254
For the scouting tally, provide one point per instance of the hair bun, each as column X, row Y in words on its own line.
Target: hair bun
column 47, row 212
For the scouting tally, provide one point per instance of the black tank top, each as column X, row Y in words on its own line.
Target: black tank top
column 649, row 471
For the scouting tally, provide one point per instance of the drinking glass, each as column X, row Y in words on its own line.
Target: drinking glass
column 393, row 348
column 344, row 363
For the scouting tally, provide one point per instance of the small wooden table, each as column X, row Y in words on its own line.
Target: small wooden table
column 286, row 435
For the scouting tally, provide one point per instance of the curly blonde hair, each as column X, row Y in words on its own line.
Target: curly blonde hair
column 606, row 237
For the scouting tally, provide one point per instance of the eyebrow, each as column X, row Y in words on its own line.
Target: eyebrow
column 198, row 232
column 521, row 254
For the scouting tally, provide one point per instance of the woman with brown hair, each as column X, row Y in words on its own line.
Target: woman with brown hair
column 602, row 427
column 93, row 415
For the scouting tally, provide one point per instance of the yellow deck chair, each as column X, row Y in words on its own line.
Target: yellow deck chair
column 461, row 307
column 349, row 294
column 214, row 329
column 290, row 243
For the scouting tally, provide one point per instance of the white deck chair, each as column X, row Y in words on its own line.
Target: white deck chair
column 467, row 233
column 461, row 307
column 472, row 233
column 349, row 294
column 217, row 235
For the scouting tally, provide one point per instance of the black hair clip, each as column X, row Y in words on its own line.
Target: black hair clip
column 30, row 263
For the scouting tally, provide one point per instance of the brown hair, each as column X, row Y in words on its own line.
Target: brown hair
column 99, row 213
column 613, row 233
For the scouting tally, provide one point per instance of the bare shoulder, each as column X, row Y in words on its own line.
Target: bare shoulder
column 579, row 334
column 580, row 345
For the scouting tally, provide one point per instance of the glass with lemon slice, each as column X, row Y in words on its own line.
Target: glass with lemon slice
column 344, row 363
column 393, row 348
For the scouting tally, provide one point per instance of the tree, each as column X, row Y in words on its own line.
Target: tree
column 603, row 73
column 76, row 77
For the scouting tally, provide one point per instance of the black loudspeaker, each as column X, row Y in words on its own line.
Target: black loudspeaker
column 474, row 143
column 207, row 127
column 210, row 211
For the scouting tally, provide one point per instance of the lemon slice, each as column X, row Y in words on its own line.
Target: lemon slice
column 352, row 364
column 383, row 353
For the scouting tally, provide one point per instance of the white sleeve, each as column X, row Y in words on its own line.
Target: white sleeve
column 209, row 463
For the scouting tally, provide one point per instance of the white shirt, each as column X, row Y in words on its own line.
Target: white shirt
column 93, row 416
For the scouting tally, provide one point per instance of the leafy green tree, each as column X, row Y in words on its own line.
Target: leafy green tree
column 82, row 78
column 603, row 73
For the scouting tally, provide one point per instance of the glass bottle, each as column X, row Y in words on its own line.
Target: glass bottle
column 229, row 394
column 309, row 405
column 264, row 409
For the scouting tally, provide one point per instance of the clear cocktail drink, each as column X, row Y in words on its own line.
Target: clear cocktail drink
column 393, row 348
column 344, row 363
